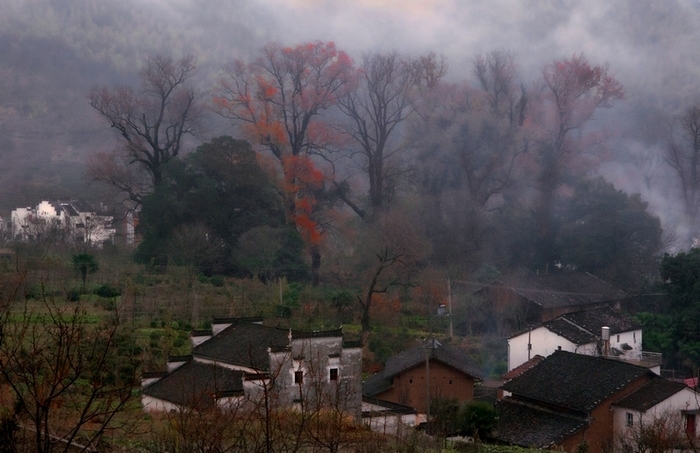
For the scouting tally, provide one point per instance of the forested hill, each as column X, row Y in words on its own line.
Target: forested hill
column 52, row 52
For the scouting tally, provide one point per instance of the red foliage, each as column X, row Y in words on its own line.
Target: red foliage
column 301, row 182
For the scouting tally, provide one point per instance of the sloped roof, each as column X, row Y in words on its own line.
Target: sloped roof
column 389, row 407
column 196, row 384
column 526, row 425
column 650, row 394
column 566, row 329
column 410, row 358
column 244, row 344
column 593, row 320
column 574, row 381
column 564, row 289
column 520, row 369
column 585, row 326
column 376, row 384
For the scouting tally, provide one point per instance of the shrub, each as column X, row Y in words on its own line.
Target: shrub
column 107, row 290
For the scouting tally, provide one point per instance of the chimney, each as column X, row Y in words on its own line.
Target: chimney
column 605, row 336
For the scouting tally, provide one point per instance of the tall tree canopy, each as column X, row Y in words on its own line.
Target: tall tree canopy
column 151, row 123
column 610, row 234
column 207, row 202
column 279, row 101
column 571, row 92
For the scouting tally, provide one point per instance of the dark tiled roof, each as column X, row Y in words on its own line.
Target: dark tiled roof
column 393, row 408
column 563, row 289
column 520, row 369
column 244, row 344
column 397, row 364
column 529, row 426
column 650, row 395
column 594, row 320
column 376, row 384
column 410, row 358
column 237, row 320
column 571, row 332
column 298, row 334
column 575, row 381
column 196, row 385
column 583, row 327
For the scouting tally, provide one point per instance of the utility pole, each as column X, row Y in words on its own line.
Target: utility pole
column 449, row 305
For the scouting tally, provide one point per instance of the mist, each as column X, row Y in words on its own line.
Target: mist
column 52, row 52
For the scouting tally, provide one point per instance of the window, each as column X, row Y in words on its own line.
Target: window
column 559, row 348
column 618, row 338
column 630, row 419
column 298, row 377
column 333, row 376
column 634, row 337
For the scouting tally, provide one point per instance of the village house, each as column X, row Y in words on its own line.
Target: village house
column 72, row 220
column 567, row 400
column 583, row 332
column 450, row 373
column 240, row 358
column 518, row 301
column 671, row 406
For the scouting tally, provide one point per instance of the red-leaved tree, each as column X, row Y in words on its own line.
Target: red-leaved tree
column 278, row 101
column 572, row 91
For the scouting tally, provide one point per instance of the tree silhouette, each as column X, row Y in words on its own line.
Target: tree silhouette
column 151, row 123
column 84, row 263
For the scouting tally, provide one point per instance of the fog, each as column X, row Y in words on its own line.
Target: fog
column 53, row 51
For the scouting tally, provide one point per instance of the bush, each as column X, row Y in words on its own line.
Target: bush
column 73, row 295
column 217, row 280
column 107, row 290
column 477, row 419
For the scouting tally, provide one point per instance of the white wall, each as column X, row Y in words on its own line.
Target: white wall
column 632, row 338
column 685, row 400
column 151, row 404
column 544, row 342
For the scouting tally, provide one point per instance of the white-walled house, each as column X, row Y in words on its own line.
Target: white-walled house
column 673, row 404
column 72, row 220
column 580, row 333
column 240, row 358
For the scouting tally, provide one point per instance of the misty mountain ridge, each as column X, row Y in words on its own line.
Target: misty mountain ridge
column 52, row 52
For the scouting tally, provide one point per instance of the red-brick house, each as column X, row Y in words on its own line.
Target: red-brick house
column 567, row 400
column 451, row 373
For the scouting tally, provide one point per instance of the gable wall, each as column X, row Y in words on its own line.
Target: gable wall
column 409, row 388
column 544, row 342
column 311, row 357
column 600, row 433
column 672, row 406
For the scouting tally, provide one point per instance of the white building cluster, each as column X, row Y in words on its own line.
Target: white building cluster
column 72, row 220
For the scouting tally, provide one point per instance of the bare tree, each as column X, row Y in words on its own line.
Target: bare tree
column 385, row 97
column 151, row 124
column 572, row 91
column 657, row 433
column 683, row 156
column 387, row 260
column 68, row 378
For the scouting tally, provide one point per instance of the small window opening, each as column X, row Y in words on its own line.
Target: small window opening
column 630, row 419
column 298, row 377
column 333, row 376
